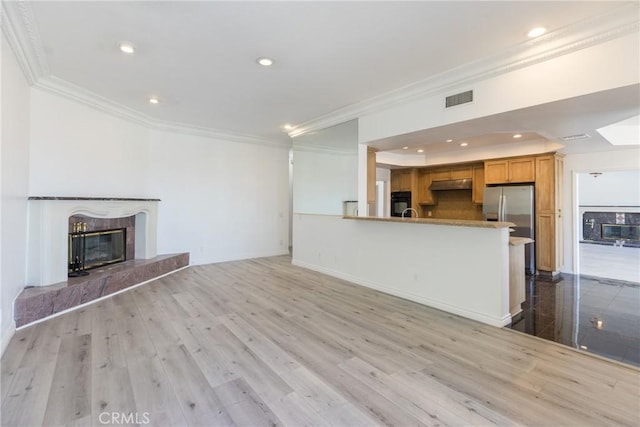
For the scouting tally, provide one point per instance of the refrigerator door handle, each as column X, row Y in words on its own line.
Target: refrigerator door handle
column 504, row 208
column 501, row 208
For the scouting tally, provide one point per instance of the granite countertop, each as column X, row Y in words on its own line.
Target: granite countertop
column 102, row 199
column 455, row 222
column 515, row 241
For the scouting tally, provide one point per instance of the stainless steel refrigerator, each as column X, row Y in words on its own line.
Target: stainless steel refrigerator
column 513, row 204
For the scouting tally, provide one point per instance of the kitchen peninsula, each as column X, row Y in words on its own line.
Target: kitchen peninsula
column 458, row 266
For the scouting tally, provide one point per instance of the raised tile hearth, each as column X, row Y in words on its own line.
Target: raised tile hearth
column 39, row 302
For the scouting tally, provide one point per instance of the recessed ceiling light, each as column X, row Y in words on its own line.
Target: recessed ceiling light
column 449, row 140
column 405, row 148
column 153, row 100
column 287, row 126
column 127, row 47
column 536, row 32
column 517, row 135
column 421, row 151
column 264, row 61
column 464, row 144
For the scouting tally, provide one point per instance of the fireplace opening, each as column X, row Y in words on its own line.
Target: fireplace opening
column 621, row 232
column 93, row 249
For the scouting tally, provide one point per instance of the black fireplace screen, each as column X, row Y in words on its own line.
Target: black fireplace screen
column 97, row 248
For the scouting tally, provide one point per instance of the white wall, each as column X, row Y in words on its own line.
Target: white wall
column 78, row 151
column 617, row 160
column 613, row 188
column 221, row 200
column 325, row 169
column 14, row 156
column 552, row 80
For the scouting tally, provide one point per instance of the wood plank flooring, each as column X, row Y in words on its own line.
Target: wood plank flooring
column 261, row 342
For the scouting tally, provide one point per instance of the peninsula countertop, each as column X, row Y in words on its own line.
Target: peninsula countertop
column 434, row 221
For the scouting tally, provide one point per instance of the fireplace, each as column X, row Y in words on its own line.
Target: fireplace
column 95, row 249
column 51, row 220
column 606, row 227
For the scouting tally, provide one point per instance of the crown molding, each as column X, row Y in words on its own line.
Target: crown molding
column 325, row 150
column 563, row 41
column 80, row 95
column 18, row 26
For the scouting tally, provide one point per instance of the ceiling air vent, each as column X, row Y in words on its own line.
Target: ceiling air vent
column 573, row 137
column 459, row 98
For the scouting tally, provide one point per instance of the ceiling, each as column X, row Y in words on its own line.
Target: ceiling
column 578, row 118
column 199, row 58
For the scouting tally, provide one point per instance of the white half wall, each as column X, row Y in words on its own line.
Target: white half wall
column 461, row 270
column 14, row 180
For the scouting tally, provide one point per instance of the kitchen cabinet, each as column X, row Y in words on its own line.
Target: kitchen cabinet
column 461, row 173
column 548, row 189
column 425, row 196
column 371, row 175
column 477, row 191
column 440, row 175
column 450, row 173
column 401, row 180
column 506, row 171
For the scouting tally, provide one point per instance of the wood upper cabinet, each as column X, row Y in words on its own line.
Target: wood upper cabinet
column 522, row 170
column 477, row 192
column 371, row 175
column 505, row 171
column 548, row 188
column 440, row 175
column 425, row 196
column 462, row 173
column 496, row 171
column 401, row 180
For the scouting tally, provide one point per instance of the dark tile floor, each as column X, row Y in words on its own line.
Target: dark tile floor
column 597, row 315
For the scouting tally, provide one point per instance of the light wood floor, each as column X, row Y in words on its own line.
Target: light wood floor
column 261, row 342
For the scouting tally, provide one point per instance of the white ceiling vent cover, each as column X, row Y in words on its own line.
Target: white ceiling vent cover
column 574, row 137
column 459, row 98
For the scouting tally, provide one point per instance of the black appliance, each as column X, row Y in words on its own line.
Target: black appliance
column 400, row 200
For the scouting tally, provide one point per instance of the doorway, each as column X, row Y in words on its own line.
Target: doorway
column 608, row 218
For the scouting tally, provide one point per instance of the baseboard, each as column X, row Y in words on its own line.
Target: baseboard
column 7, row 334
column 483, row 318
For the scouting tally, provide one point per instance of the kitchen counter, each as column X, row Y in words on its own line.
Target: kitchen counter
column 517, row 273
column 454, row 222
column 515, row 241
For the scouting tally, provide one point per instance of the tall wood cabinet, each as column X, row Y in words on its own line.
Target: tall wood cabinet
column 478, row 185
column 548, row 189
column 371, row 175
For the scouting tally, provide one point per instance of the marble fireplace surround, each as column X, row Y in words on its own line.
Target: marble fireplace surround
column 47, row 251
